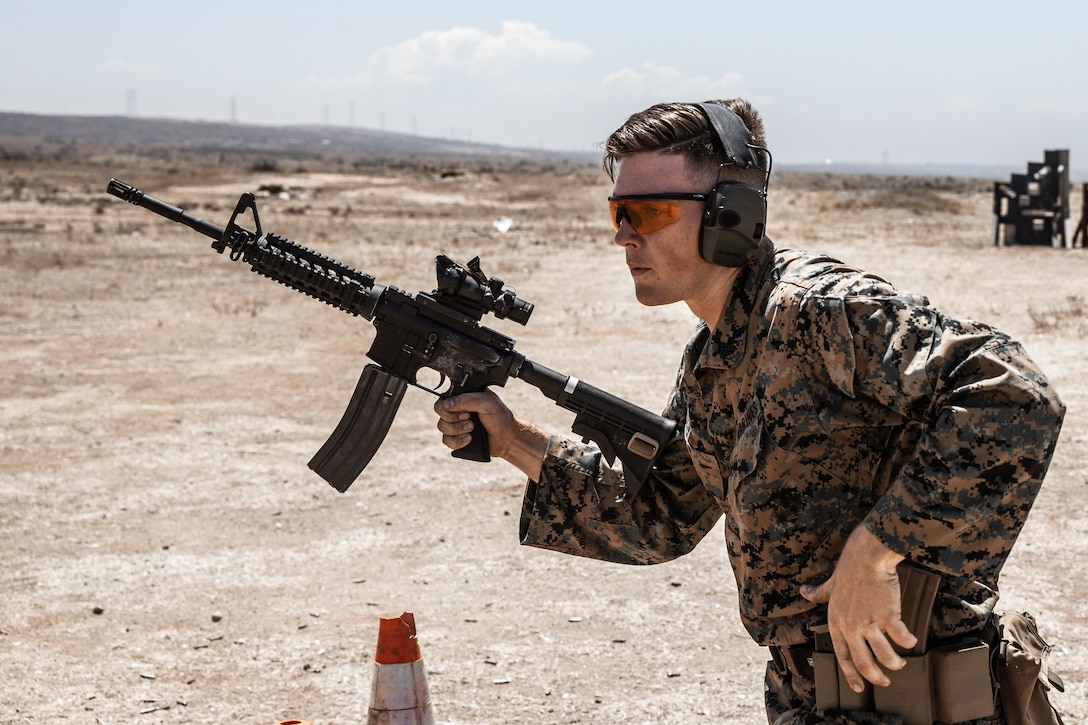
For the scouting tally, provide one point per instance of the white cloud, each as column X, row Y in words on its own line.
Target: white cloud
column 466, row 50
column 662, row 81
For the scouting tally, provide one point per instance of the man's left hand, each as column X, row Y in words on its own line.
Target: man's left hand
column 864, row 613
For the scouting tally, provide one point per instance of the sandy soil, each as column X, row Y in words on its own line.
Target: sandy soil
column 169, row 558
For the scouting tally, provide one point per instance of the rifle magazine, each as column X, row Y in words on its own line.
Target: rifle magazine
column 361, row 429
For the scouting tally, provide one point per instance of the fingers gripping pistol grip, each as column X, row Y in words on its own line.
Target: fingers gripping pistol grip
column 361, row 429
column 478, row 448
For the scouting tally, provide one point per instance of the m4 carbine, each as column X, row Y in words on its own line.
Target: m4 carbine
column 440, row 331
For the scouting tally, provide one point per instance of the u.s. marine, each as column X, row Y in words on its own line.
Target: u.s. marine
column 841, row 428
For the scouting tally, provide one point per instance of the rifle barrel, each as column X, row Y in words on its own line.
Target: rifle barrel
column 132, row 195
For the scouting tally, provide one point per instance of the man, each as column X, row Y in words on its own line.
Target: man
column 839, row 426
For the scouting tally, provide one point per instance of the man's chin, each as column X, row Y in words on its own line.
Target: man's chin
column 652, row 298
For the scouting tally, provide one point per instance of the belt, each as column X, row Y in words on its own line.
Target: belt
column 794, row 660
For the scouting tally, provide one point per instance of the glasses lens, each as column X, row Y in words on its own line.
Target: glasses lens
column 644, row 216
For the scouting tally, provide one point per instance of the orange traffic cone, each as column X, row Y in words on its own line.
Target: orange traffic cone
column 398, row 692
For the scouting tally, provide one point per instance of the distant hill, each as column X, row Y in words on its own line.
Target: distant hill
column 24, row 133
column 961, row 171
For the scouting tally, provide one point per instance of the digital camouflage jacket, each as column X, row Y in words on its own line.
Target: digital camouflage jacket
column 823, row 399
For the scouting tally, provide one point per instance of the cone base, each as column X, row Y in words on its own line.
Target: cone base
column 399, row 695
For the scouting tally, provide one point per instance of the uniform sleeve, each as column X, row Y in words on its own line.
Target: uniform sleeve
column 987, row 421
column 573, row 507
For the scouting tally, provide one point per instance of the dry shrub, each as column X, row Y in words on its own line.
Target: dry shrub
column 1070, row 317
column 922, row 202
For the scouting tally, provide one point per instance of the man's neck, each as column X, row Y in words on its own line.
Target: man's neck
column 709, row 305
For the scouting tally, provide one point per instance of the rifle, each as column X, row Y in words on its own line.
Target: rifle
column 440, row 331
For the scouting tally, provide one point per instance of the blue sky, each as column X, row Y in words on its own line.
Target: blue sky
column 975, row 82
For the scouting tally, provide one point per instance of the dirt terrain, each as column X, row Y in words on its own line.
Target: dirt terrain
column 169, row 558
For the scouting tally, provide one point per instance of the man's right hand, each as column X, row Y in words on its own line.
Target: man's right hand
column 517, row 441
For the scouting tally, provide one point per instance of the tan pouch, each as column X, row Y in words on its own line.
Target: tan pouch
column 962, row 687
column 832, row 690
column 1023, row 672
column 949, row 684
column 910, row 694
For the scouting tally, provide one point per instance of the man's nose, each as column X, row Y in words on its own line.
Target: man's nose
column 625, row 233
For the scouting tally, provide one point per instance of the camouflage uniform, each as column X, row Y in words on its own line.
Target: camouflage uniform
column 823, row 399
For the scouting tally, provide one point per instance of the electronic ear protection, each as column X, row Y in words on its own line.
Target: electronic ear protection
column 735, row 215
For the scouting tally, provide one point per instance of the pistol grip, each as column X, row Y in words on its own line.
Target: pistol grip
column 478, row 448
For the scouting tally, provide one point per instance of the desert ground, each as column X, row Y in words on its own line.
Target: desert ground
column 169, row 557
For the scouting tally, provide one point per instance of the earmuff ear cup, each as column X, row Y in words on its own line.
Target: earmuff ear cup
column 736, row 214
column 733, row 224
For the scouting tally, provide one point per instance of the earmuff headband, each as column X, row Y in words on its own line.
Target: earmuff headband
column 733, row 134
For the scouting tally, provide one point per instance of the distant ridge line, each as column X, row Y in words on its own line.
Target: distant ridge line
column 962, row 171
column 117, row 131
column 23, row 130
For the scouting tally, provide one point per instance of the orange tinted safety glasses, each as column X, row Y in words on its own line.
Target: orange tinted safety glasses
column 649, row 212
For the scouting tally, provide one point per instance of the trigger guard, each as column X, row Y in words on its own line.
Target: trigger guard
column 437, row 389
